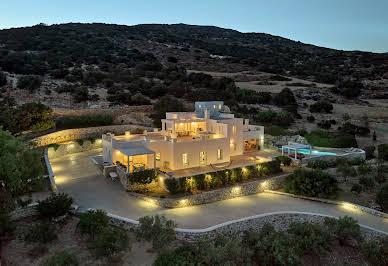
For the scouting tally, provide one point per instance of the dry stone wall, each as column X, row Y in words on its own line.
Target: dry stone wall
column 75, row 147
column 83, row 133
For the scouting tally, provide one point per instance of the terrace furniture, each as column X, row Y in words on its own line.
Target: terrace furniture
column 113, row 176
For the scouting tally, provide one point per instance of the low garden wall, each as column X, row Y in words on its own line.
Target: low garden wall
column 238, row 190
column 82, row 133
column 280, row 220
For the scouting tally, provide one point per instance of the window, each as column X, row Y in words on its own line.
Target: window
column 200, row 106
column 157, row 156
column 219, row 154
column 214, row 106
column 185, row 159
column 219, row 106
column 234, row 129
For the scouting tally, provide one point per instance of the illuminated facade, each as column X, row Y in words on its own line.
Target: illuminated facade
column 209, row 135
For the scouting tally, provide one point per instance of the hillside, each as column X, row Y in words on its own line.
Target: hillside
column 73, row 66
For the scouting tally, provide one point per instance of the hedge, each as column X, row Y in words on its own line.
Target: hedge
column 221, row 178
column 142, row 177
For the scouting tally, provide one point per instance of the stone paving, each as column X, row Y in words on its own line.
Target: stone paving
column 77, row 175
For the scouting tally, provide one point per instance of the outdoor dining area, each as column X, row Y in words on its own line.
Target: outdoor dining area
column 293, row 148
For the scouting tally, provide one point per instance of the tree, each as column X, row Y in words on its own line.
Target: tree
column 163, row 105
column 29, row 82
column 285, row 97
column 20, row 170
column 81, row 94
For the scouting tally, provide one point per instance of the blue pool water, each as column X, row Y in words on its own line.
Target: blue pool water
column 313, row 152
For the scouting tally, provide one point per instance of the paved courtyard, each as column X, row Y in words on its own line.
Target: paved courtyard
column 77, row 175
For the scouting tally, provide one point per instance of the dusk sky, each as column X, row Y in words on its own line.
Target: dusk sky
column 340, row 24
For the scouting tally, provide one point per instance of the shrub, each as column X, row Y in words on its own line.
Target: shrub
column 143, row 177
column 29, row 82
column 285, row 160
column 370, row 152
column 364, row 169
column 80, row 142
column 325, row 124
column 321, row 106
column 366, row 182
column 312, row 183
column 3, row 79
column 380, row 178
column 344, row 229
column 62, row 258
column 347, row 170
column 382, row 198
column 199, row 181
column 84, row 121
column 330, row 139
column 92, row 221
column 270, row 168
column 81, row 94
column 109, row 241
column 157, row 229
column 311, row 118
column 54, row 206
column 318, row 164
column 139, row 99
column 7, row 227
column 311, row 238
column 40, row 233
column 42, row 126
column 180, row 256
column 285, row 97
column 172, row 185
column 383, row 152
column 275, row 131
column 376, row 252
column 356, row 188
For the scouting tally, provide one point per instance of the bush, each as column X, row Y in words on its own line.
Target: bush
column 382, row 198
column 283, row 118
column 270, row 168
column 139, row 99
column 344, row 229
column 81, row 94
column 54, row 206
column 318, row 164
column 7, row 227
column 109, row 241
column 40, row 233
column 80, row 142
column 311, row 238
column 285, row 97
column 285, row 160
column 356, row 188
column 370, row 152
column 55, row 146
column 366, row 182
column 275, row 131
column 383, row 152
column 180, row 256
column 29, row 82
column 311, row 183
column 92, row 222
column 364, row 169
column 376, row 252
column 157, row 229
column 3, row 79
column 84, row 121
column 142, row 177
column 199, row 181
column 321, row 106
column 331, row 140
column 62, row 258
column 325, row 124
column 311, row 118
column 172, row 185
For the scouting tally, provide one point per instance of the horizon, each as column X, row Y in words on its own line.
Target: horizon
column 351, row 25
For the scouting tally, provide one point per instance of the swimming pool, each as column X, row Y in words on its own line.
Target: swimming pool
column 307, row 151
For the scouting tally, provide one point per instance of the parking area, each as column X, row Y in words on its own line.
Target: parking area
column 77, row 175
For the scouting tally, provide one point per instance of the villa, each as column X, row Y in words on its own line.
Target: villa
column 211, row 135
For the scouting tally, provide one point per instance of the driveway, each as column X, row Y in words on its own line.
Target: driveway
column 77, row 175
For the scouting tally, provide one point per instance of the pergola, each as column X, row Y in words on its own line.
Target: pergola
column 295, row 146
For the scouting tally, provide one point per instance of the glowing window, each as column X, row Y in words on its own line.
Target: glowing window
column 219, row 154
column 200, row 106
column 157, row 156
column 219, row 106
column 185, row 159
column 234, row 130
column 214, row 106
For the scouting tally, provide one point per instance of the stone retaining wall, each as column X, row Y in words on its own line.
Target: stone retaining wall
column 53, row 185
column 280, row 220
column 334, row 202
column 224, row 193
column 73, row 147
column 83, row 133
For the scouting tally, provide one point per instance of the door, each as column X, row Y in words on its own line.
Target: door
column 202, row 158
